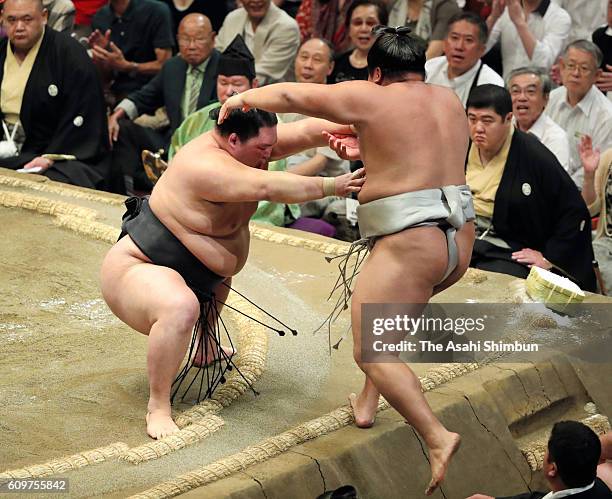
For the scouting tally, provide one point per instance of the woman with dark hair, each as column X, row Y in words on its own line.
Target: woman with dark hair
column 362, row 16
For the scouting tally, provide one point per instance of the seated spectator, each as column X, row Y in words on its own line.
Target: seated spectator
column 528, row 210
column 461, row 68
column 236, row 73
column 602, row 37
column 531, row 34
column 325, row 19
column 570, row 465
column 270, row 33
column 429, row 20
column 187, row 82
column 578, row 106
column 61, row 14
column 131, row 41
column 215, row 11
column 50, row 87
column 586, row 15
column 362, row 16
column 530, row 89
column 597, row 193
column 313, row 64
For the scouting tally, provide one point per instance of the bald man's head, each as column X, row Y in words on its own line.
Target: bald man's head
column 38, row 3
column 24, row 21
column 195, row 19
column 196, row 39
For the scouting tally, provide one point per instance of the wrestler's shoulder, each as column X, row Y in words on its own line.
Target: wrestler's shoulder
column 440, row 91
column 199, row 153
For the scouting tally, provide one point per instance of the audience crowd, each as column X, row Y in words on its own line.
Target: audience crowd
column 87, row 85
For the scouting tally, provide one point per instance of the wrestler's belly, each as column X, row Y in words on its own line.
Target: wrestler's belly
column 224, row 256
column 380, row 184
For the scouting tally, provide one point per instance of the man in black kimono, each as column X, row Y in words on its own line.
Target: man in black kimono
column 50, row 86
column 528, row 210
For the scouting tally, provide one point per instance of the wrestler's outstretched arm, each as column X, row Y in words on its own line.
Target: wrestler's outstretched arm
column 349, row 102
column 236, row 182
column 302, row 135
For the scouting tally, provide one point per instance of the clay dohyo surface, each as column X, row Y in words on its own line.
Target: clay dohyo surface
column 73, row 377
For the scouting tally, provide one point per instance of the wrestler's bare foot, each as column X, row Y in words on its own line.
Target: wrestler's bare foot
column 439, row 458
column 364, row 411
column 211, row 357
column 160, row 423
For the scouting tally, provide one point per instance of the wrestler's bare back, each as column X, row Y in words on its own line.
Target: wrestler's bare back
column 412, row 136
column 216, row 233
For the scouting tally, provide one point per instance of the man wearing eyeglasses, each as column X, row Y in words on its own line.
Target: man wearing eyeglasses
column 530, row 89
column 186, row 83
column 578, row 106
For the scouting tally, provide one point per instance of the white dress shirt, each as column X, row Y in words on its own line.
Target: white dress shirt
column 553, row 137
column 587, row 16
column 567, row 492
column 591, row 116
column 549, row 24
column 436, row 70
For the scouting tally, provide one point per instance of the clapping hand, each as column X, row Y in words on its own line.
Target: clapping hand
column 588, row 156
column 112, row 58
column 497, row 8
column 516, row 12
column 97, row 39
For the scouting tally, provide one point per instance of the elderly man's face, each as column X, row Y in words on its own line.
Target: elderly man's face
column 256, row 9
column 579, row 71
column 24, row 21
column 528, row 101
column 230, row 85
column 196, row 41
column 313, row 63
column 462, row 47
column 488, row 130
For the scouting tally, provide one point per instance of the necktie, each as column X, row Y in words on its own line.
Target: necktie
column 194, row 90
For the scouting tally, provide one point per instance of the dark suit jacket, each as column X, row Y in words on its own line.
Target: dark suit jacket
column 167, row 87
column 599, row 491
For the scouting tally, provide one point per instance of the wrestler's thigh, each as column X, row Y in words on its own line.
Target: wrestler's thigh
column 401, row 268
column 141, row 293
column 464, row 238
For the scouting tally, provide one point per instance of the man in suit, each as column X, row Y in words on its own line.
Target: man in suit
column 270, row 33
column 187, row 82
column 570, row 465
